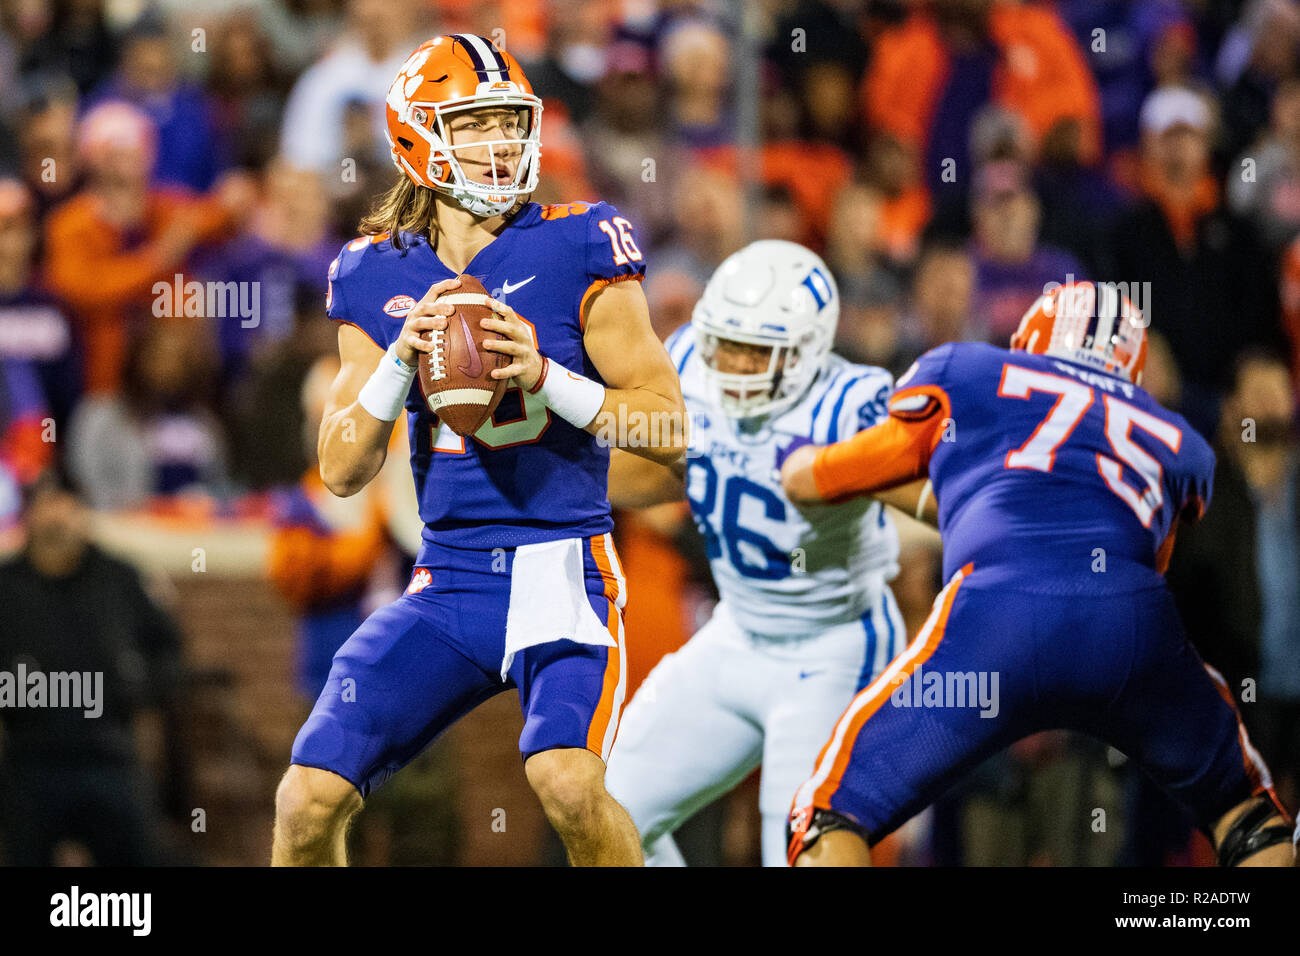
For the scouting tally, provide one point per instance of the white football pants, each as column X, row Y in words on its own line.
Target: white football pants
column 729, row 700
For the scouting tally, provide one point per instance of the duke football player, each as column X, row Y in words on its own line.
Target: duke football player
column 806, row 617
column 1060, row 485
column 517, row 584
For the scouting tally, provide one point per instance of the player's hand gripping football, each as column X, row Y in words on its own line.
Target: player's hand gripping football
column 525, row 362
column 424, row 317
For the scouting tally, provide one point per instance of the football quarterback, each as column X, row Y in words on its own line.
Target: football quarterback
column 517, row 584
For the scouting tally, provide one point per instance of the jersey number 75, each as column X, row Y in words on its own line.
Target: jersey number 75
column 1073, row 401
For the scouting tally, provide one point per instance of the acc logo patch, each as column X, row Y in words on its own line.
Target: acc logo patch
column 398, row 306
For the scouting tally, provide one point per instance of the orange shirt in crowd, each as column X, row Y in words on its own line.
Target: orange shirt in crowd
column 1291, row 302
column 902, row 220
column 1041, row 76
column 24, row 449
column 1183, row 209
column 522, row 22
column 93, row 267
column 813, row 172
column 309, row 566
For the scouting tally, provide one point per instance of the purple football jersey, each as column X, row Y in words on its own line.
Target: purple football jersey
column 526, row 475
column 1056, row 477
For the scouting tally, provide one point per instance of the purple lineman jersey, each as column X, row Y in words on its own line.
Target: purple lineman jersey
column 1052, row 476
column 1059, row 488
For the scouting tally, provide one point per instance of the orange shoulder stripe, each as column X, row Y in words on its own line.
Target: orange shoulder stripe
column 592, row 289
column 891, row 453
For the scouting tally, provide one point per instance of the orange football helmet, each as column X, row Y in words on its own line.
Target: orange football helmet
column 451, row 74
column 1088, row 324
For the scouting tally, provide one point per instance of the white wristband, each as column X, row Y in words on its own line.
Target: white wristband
column 384, row 393
column 574, row 398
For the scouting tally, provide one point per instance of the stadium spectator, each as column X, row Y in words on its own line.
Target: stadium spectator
column 182, row 113
column 1162, row 379
column 808, row 173
column 158, row 436
column 1263, row 185
column 1259, row 54
column 930, row 76
column 830, row 33
column 107, row 246
column 871, row 323
column 1236, row 577
column 708, row 221
column 299, row 30
column 1212, row 286
column 1010, row 262
column 26, row 446
column 35, row 339
column 67, row 776
column 1258, row 528
column 573, row 59
column 1131, row 48
column 1080, row 203
column 246, row 90
column 853, row 239
column 943, row 285
column 47, row 156
column 66, row 39
column 696, row 61
column 359, row 68
column 287, row 246
column 621, row 134
column 905, row 208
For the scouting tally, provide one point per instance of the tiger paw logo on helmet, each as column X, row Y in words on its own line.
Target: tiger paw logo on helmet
column 452, row 75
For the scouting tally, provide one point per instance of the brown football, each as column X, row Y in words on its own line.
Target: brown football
column 456, row 377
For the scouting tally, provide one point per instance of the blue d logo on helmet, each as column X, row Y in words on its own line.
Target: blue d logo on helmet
column 772, row 294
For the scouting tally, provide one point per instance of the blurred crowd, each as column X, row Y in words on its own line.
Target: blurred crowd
column 948, row 158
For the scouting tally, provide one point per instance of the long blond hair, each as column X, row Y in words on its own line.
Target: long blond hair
column 403, row 207
column 409, row 207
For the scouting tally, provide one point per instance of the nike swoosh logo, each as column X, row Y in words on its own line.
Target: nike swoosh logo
column 507, row 288
column 475, row 366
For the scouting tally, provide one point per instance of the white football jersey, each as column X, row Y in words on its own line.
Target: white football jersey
column 781, row 569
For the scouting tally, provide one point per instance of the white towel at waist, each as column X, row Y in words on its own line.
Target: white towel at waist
column 548, row 600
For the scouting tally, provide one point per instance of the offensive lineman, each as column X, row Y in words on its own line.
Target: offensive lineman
column 1060, row 485
column 806, row 616
column 517, row 583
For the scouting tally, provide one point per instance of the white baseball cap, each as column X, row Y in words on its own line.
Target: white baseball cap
column 1172, row 106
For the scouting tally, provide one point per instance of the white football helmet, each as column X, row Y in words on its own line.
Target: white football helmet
column 771, row 293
